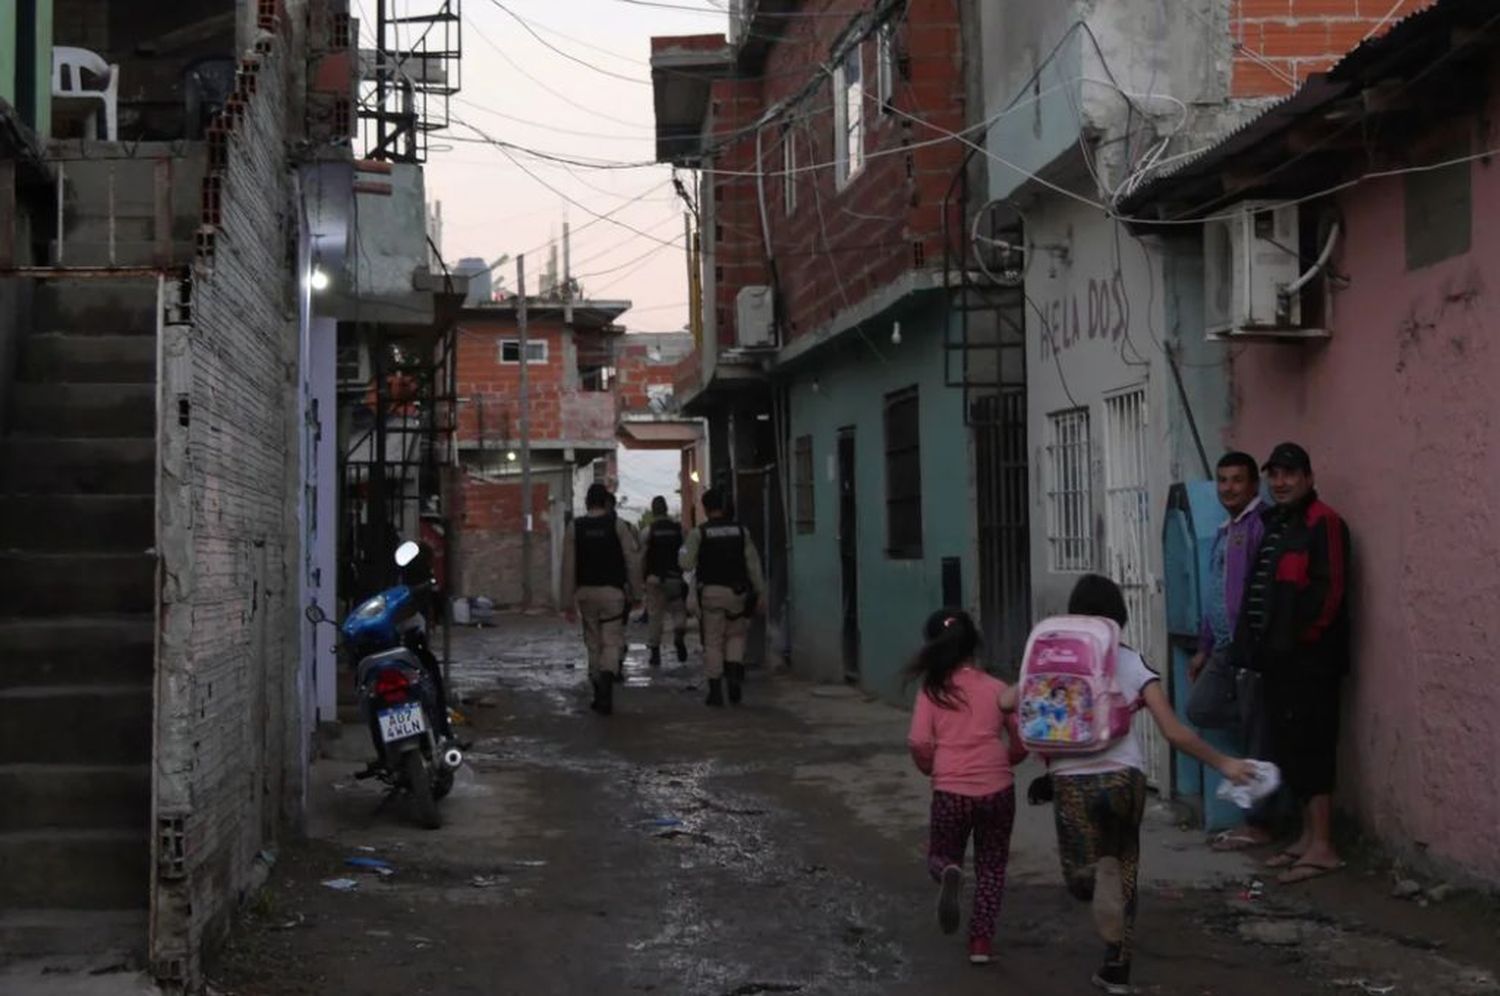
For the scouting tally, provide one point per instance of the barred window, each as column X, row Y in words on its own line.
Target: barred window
column 1070, row 501
column 806, row 521
column 903, row 476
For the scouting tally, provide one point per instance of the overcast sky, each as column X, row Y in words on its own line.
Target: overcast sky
column 554, row 104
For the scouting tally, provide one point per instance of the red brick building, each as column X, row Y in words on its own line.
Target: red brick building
column 1279, row 43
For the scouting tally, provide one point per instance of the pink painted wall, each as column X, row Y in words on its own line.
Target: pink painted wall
column 1401, row 413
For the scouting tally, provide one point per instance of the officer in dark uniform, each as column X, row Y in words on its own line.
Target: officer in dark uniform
column 601, row 566
column 730, row 590
column 666, row 594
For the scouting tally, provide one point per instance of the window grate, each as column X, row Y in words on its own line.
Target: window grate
column 805, row 494
column 903, row 475
column 1070, row 500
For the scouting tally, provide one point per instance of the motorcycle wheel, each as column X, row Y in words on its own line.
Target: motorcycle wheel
column 443, row 783
column 419, row 785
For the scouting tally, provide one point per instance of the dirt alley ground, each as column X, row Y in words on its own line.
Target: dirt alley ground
column 776, row 848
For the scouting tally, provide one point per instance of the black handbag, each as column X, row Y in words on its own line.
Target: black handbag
column 1213, row 704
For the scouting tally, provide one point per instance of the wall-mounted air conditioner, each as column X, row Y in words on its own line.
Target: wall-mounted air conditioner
column 1252, row 274
column 755, row 318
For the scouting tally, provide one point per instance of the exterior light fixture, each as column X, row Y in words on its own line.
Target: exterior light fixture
column 318, row 279
column 511, row 456
column 693, row 476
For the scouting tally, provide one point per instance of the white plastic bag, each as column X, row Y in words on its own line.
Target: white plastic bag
column 1267, row 780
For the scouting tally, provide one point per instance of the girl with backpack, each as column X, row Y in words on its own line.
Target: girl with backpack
column 958, row 737
column 1100, row 798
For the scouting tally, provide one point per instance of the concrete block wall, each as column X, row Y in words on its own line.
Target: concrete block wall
column 490, row 525
column 839, row 245
column 1279, row 43
column 647, row 365
column 227, row 757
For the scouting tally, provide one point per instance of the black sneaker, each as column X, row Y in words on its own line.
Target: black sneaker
column 948, row 897
column 715, row 693
column 1114, row 978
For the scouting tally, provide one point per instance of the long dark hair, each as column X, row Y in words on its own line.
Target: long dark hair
column 950, row 640
column 1096, row 595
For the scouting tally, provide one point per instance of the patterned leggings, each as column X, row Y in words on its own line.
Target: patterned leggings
column 1099, row 816
column 990, row 819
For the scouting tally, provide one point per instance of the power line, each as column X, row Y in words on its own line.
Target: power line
column 568, row 55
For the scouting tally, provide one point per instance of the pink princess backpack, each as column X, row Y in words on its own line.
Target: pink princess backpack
column 1069, row 701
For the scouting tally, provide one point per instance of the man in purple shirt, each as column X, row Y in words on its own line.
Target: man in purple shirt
column 1235, row 546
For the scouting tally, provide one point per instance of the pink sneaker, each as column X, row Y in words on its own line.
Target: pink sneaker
column 979, row 951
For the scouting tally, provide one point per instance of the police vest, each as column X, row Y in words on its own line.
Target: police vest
column 662, row 546
column 721, row 556
column 598, row 559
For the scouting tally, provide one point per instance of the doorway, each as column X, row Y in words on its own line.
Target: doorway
column 849, row 553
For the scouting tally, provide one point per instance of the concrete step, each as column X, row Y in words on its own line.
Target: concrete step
column 58, row 584
column 77, row 523
column 115, row 935
column 111, row 466
column 89, row 411
column 76, row 724
column 75, row 869
column 75, row 797
column 97, row 306
column 77, row 650
column 78, row 358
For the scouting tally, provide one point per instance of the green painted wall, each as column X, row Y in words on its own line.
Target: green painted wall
column 895, row 596
column 11, row 45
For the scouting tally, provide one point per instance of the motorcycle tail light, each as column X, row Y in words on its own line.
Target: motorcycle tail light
column 392, row 686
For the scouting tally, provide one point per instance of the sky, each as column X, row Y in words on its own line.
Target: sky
column 518, row 90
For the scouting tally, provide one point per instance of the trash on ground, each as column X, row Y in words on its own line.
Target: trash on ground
column 293, row 923
column 366, row 848
column 382, row 868
column 666, row 821
column 341, row 884
column 1407, row 888
column 529, row 864
column 1364, row 986
column 487, row 881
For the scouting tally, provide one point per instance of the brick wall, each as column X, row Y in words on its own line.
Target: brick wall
column 228, row 771
column 1279, row 43
column 646, row 368
column 489, row 540
column 559, row 409
column 838, row 246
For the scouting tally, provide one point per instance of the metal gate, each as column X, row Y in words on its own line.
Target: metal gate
column 1127, row 545
column 1001, row 493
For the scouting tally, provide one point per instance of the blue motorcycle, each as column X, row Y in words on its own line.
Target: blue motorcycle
column 400, row 689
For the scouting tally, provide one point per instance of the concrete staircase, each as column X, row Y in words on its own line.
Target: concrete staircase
column 77, row 597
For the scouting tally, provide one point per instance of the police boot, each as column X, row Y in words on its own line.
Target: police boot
column 681, row 647
column 606, row 688
column 598, row 681
column 715, row 693
column 736, row 675
column 656, row 657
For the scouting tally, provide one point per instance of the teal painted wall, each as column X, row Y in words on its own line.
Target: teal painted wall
column 39, row 117
column 895, row 596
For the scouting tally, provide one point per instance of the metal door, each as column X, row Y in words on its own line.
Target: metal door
column 849, row 553
column 1001, row 495
column 1127, row 546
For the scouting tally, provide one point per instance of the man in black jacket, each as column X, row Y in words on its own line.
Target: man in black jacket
column 1294, row 630
column 731, row 588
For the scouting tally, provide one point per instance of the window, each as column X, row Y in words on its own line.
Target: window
column 1439, row 206
column 803, row 453
column 903, row 476
column 536, row 351
column 885, row 66
column 849, row 116
column 1070, row 500
column 789, row 171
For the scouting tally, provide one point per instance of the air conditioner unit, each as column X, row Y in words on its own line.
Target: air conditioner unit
column 1250, row 259
column 755, row 318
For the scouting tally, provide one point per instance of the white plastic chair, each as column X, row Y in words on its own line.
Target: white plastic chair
column 67, row 84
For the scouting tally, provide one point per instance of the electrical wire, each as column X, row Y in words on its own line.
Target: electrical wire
column 526, row 25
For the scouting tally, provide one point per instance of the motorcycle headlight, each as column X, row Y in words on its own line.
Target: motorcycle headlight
column 373, row 609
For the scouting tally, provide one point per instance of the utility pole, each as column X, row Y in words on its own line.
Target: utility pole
column 525, row 435
column 567, row 282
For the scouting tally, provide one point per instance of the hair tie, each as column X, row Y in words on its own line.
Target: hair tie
column 949, row 621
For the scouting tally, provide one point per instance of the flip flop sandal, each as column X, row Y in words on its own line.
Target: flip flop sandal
column 1285, row 859
column 1306, row 872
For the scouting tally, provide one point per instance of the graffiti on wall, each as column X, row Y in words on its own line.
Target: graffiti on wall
column 1096, row 309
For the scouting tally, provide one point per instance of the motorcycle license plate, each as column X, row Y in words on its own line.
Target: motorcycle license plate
column 402, row 722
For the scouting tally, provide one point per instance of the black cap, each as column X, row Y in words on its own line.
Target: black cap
column 1289, row 456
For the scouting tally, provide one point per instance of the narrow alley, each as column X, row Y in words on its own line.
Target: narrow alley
column 772, row 849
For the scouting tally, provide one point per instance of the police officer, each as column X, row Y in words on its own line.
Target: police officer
column 665, row 591
column 730, row 589
column 601, row 568
column 635, row 593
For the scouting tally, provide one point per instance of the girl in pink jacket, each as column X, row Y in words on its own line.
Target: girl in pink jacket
column 965, row 740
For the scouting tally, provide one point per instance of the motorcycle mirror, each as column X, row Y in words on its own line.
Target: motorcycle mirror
column 406, row 553
column 315, row 613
